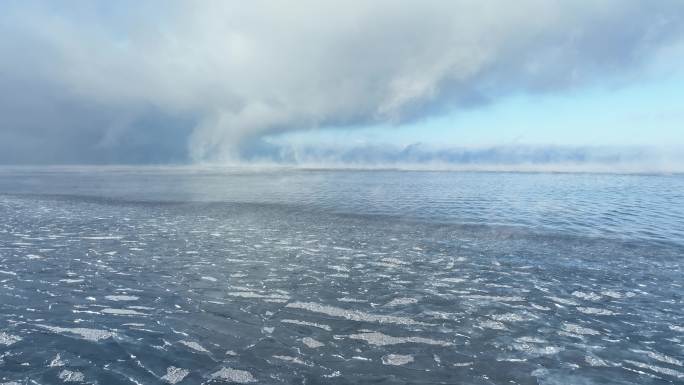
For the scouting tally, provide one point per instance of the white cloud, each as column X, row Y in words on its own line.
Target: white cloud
column 244, row 69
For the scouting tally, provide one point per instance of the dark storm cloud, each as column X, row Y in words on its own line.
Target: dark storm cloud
column 98, row 82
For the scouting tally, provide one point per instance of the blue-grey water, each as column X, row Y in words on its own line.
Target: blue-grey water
column 192, row 276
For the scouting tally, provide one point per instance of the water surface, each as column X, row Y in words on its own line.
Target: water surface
column 196, row 276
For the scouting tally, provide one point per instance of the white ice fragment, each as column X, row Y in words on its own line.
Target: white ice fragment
column 657, row 369
column 397, row 359
column 306, row 323
column 194, row 345
column 535, row 349
column 312, row 343
column 495, row 298
column 394, row 261
column 452, row 280
column 577, row 329
column 595, row 361
column 8, row 339
column 71, row 376
column 539, row 307
column 88, row 334
column 586, row 296
column 596, row 311
column 56, row 362
column 353, row 315
column 660, row 357
column 251, row 294
column 122, row 297
column 512, row 317
column 380, row 339
column 563, row 301
column 351, row 300
column 401, row 301
column 121, row 311
column 489, row 324
column 175, row 375
column 69, row 280
column 234, row 375
column 294, row 360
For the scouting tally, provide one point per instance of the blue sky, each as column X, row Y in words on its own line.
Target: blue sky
column 231, row 82
column 648, row 112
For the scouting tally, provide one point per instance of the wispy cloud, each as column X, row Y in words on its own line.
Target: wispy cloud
column 169, row 81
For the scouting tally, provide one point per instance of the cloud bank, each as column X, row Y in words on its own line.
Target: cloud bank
column 172, row 81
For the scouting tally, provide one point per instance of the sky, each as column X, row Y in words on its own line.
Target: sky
column 382, row 83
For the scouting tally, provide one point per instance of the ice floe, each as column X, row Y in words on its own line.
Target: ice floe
column 656, row 369
column 577, row 329
column 312, row 343
column 596, row 311
column 71, row 376
column 233, row 375
column 401, row 302
column 8, row 339
column 194, row 346
column 122, row 297
column 174, row 375
column 380, row 339
column 85, row 333
column 353, row 315
column 56, row 362
column 397, row 359
column 124, row 312
column 306, row 323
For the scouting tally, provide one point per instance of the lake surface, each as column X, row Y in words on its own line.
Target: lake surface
column 218, row 275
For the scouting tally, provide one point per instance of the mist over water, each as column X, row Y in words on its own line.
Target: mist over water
column 191, row 276
column 630, row 207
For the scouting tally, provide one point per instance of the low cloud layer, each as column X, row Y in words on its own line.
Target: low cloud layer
column 121, row 82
